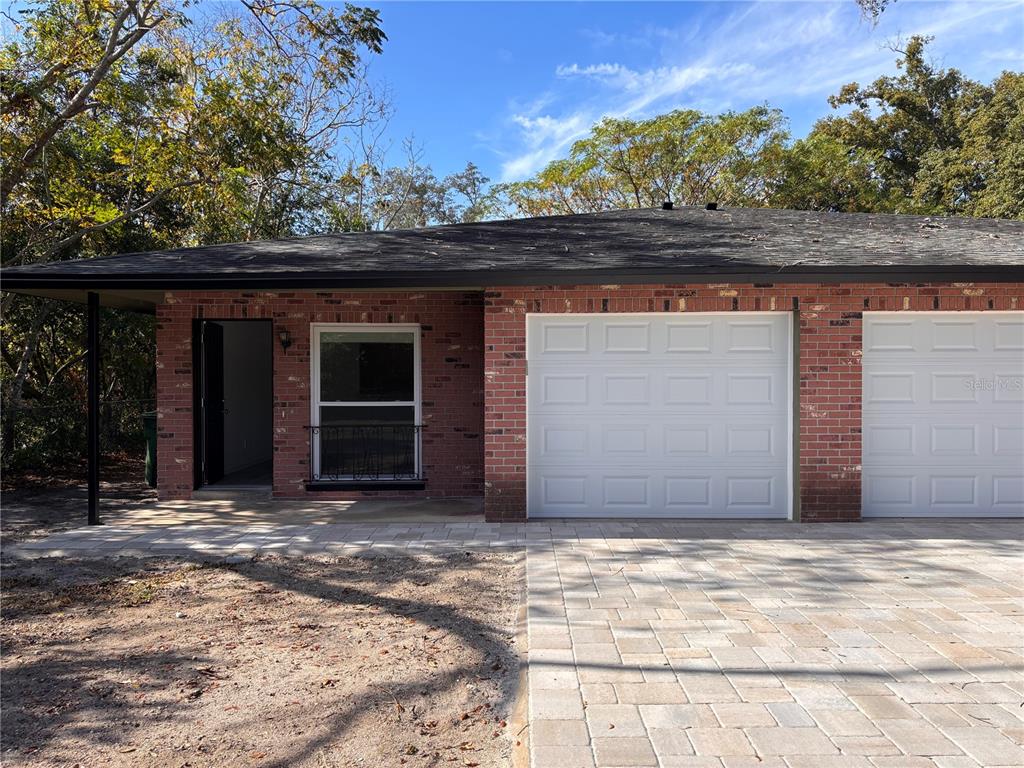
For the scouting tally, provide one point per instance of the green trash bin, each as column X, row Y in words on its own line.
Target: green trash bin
column 149, row 430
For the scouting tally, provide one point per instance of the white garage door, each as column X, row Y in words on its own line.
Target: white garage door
column 658, row 415
column 944, row 414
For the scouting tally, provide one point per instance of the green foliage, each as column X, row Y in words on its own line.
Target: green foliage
column 129, row 126
column 685, row 156
column 820, row 173
column 49, row 428
column 907, row 123
column 872, row 9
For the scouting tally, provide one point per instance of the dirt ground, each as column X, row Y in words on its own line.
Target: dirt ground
column 386, row 661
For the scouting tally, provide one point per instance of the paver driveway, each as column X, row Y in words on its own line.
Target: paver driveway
column 875, row 644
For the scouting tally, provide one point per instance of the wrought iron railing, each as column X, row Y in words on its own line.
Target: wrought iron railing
column 364, row 452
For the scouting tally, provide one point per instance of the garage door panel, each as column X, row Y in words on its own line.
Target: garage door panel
column 629, row 493
column 658, row 416
column 633, row 389
column 1009, row 387
column 1008, row 493
column 665, row 444
column 563, row 389
column 657, row 389
column 628, row 337
column 943, row 414
column 1008, row 335
column 1008, row 441
column 980, row 384
column 692, row 337
column 953, row 335
column 941, row 440
column 909, row 492
column 609, row 336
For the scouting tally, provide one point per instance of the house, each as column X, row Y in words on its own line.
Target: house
column 687, row 362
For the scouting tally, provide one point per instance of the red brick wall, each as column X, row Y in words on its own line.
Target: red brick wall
column 830, row 373
column 451, row 368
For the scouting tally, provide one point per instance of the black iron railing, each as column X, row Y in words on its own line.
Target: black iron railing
column 364, row 452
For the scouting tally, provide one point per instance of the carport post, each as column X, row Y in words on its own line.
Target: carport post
column 93, row 406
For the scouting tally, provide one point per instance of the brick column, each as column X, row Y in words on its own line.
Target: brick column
column 830, row 406
column 504, row 406
column 174, row 400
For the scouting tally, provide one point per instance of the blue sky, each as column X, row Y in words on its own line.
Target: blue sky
column 511, row 85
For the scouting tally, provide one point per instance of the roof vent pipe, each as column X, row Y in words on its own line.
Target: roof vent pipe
column 711, row 207
column 667, row 205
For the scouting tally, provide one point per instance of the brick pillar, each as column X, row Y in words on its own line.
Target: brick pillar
column 830, row 406
column 174, row 400
column 504, row 405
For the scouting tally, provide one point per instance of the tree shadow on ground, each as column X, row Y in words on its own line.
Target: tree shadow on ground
column 68, row 694
column 51, row 691
column 489, row 641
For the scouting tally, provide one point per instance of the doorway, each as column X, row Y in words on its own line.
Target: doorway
column 234, row 371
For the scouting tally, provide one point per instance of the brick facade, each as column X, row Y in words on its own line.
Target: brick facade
column 451, row 372
column 830, row 372
column 474, row 374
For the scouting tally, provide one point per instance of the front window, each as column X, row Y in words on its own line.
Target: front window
column 365, row 402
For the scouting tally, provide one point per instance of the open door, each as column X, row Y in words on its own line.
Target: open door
column 212, row 398
column 234, row 402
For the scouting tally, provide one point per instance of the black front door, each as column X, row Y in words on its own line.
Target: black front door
column 212, row 389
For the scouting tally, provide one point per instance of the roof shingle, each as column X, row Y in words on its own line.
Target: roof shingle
column 685, row 243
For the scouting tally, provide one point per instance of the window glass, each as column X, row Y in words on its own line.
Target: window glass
column 342, row 415
column 359, row 366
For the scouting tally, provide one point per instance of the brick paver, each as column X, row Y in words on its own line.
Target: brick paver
column 791, row 646
column 774, row 645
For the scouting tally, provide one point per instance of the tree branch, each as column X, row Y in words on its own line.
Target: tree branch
column 115, row 48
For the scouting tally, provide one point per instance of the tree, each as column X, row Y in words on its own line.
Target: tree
column 983, row 174
column 137, row 124
column 935, row 141
column 369, row 195
column 684, row 155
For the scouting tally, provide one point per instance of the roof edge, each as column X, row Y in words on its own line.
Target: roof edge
column 15, row 282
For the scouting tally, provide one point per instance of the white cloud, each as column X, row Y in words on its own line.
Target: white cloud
column 546, row 138
column 598, row 71
column 782, row 53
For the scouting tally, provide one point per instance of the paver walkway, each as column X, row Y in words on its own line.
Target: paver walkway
column 726, row 645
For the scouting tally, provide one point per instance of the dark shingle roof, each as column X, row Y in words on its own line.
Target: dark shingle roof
column 683, row 244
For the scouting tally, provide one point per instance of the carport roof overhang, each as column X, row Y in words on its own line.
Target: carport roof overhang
column 687, row 245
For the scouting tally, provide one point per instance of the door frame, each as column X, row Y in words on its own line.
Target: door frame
column 198, row 386
column 792, row 404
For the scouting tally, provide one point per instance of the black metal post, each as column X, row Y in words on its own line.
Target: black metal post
column 93, row 435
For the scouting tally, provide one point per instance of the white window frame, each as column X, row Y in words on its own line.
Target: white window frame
column 315, row 329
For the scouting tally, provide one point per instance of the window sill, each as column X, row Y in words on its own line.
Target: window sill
column 366, row 485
